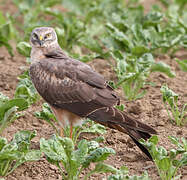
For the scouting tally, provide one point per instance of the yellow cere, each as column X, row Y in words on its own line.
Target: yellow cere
column 41, row 38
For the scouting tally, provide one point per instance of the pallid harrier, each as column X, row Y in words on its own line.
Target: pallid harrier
column 75, row 91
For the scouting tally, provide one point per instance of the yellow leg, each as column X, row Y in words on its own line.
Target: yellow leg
column 61, row 132
column 71, row 130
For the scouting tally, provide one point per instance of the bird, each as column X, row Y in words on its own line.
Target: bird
column 75, row 91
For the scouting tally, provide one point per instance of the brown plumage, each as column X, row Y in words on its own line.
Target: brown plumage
column 75, row 91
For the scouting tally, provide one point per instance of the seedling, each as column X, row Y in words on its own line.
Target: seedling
column 9, row 110
column 182, row 64
column 167, row 162
column 170, row 100
column 122, row 174
column 24, row 48
column 25, row 89
column 17, row 152
column 133, row 72
column 63, row 153
column 6, row 33
column 72, row 160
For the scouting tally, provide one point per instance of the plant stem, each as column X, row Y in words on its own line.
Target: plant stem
column 88, row 175
column 168, row 112
column 63, row 175
column 6, row 168
column 80, row 171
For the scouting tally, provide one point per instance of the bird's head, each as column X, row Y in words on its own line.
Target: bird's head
column 43, row 37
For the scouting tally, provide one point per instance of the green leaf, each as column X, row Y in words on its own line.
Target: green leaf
column 99, row 139
column 74, row 6
column 53, row 149
column 17, row 152
column 24, row 48
column 3, row 142
column 172, row 153
column 9, row 116
column 122, row 174
column 174, row 140
column 5, row 36
column 168, row 95
column 2, row 19
column 95, row 128
column 98, row 155
column 81, row 152
column 183, row 161
column 47, row 115
column 146, row 60
column 23, row 139
column 164, row 68
column 91, row 44
column 162, row 151
column 3, row 98
column 61, row 36
column 121, row 107
column 104, row 168
column 8, row 109
column 182, row 64
column 67, row 144
column 18, row 102
column 32, row 155
column 6, row 31
column 24, row 92
column 139, row 50
column 119, row 36
column 184, row 141
column 10, row 155
column 153, row 18
column 165, row 164
column 92, row 145
column 25, row 89
column 154, row 140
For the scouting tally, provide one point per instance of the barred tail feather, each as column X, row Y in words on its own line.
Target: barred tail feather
column 116, row 119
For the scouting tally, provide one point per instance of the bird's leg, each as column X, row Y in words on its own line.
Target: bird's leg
column 60, row 117
column 61, row 132
column 71, row 130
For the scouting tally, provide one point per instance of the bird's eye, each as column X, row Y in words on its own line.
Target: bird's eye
column 35, row 36
column 47, row 36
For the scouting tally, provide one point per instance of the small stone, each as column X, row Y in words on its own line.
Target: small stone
column 160, row 123
column 2, row 57
column 179, row 132
column 120, row 153
column 35, row 124
column 130, row 143
column 130, row 158
column 110, row 141
column 135, row 109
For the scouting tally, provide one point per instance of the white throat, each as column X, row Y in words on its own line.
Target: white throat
column 36, row 54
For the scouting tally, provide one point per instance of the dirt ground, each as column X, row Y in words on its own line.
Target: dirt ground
column 149, row 110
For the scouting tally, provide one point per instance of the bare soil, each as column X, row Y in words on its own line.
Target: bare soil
column 149, row 110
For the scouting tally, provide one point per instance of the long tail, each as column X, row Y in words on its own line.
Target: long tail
column 116, row 119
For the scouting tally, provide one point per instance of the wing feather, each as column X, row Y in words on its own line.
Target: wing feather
column 71, row 85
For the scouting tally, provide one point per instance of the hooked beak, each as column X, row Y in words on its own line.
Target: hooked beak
column 41, row 41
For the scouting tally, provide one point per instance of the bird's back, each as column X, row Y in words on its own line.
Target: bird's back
column 63, row 84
